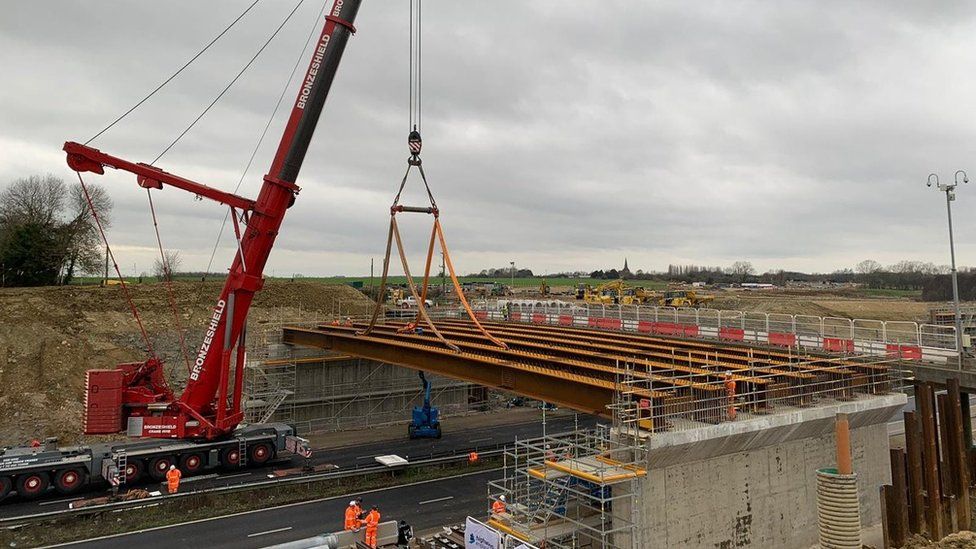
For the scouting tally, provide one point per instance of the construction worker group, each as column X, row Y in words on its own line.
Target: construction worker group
column 356, row 519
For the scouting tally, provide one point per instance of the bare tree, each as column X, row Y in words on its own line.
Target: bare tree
column 742, row 268
column 868, row 266
column 32, row 200
column 164, row 267
column 49, row 225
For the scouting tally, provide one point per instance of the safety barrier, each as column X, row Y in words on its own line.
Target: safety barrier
column 898, row 339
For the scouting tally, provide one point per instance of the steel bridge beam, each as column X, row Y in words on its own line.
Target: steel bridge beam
column 580, row 393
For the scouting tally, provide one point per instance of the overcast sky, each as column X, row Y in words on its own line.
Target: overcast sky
column 561, row 135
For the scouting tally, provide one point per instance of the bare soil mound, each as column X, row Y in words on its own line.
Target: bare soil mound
column 50, row 336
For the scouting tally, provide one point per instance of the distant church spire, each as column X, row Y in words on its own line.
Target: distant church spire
column 626, row 269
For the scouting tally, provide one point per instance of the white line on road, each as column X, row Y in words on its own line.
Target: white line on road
column 275, row 531
column 235, row 475
column 479, row 439
column 435, row 500
column 365, row 457
column 266, row 509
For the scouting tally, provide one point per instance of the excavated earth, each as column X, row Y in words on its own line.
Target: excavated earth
column 50, row 336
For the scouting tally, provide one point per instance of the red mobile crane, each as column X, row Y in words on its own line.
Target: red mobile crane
column 135, row 396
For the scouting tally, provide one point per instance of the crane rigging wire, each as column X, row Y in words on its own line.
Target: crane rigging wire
column 122, row 284
column 414, row 143
column 231, row 84
column 175, row 74
column 168, row 279
column 264, row 133
column 164, row 260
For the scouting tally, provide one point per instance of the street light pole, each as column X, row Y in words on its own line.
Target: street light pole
column 950, row 192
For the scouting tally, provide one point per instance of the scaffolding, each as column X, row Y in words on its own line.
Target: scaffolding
column 576, row 489
column 322, row 391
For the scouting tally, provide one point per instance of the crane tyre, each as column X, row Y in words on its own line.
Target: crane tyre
column 260, row 453
column 69, row 481
column 134, row 470
column 32, row 485
column 159, row 466
column 6, row 486
column 230, row 458
column 191, row 464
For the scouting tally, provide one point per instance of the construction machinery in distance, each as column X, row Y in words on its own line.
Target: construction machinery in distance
column 684, row 298
column 201, row 428
column 615, row 293
column 426, row 418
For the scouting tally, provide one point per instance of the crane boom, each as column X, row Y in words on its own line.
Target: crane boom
column 210, row 406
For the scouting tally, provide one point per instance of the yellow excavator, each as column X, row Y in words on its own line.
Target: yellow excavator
column 614, row 293
column 684, row 298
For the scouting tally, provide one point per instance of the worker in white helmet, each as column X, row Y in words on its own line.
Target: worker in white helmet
column 351, row 521
column 498, row 507
column 173, row 479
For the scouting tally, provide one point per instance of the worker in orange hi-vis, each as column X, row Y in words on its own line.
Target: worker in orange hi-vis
column 473, row 457
column 498, row 507
column 173, row 479
column 352, row 517
column 730, row 393
column 372, row 525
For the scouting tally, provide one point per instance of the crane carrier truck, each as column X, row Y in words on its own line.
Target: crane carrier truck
column 201, row 428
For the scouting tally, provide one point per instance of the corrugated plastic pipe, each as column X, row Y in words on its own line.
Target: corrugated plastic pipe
column 838, row 509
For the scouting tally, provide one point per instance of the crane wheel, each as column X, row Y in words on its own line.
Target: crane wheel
column 69, row 481
column 32, row 485
column 134, row 470
column 159, row 466
column 5, row 487
column 230, row 458
column 191, row 464
column 260, row 453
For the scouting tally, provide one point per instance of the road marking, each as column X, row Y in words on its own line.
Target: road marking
column 480, row 439
column 435, row 500
column 365, row 457
column 285, row 506
column 235, row 475
column 201, row 477
column 275, row 531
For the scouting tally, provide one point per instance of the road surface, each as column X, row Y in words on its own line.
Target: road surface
column 424, row 505
column 346, row 458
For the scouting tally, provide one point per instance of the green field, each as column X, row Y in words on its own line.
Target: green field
column 365, row 280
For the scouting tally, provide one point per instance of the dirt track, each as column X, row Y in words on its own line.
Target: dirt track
column 825, row 305
column 51, row 336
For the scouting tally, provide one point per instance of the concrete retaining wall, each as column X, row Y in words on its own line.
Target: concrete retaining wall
column 761, row 493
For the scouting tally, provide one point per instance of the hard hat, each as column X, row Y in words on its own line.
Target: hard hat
column 171, row 467
column 352, row 503
column 501, row 497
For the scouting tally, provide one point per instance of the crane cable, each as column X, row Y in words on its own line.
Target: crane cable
column 118, row 272
column 231, row 84
column 264, row 133
column 175, row 74
column 168, row 280
column 437, row 233
column 163, row 258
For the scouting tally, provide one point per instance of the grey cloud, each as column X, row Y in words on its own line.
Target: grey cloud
column 563, row 133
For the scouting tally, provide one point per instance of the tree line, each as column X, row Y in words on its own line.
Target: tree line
column 47, row 232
